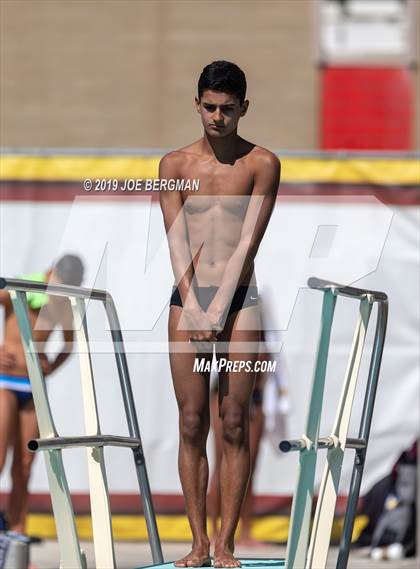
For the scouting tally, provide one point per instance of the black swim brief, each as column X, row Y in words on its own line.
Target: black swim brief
column 244, row 296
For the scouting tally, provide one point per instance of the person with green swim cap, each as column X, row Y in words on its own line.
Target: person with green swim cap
column 18, row 422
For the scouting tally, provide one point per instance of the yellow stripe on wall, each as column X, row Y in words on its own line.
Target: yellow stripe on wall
column 67, row 168
column 388, row 172
column 174, row 528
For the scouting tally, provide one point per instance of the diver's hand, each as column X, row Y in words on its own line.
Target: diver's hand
column 7, row 359
column 200, row 328
column 216, row 318
column 46, row 365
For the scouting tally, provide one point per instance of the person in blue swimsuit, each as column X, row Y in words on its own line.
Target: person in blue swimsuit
column 18, row 422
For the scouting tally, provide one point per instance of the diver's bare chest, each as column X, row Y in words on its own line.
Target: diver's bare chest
column 220, row 180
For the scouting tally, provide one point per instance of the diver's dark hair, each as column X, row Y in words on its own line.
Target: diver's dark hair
column 224, row 77
column 69, row 270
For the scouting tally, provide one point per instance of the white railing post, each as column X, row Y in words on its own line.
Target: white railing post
column 328, row 492
column 98, row 487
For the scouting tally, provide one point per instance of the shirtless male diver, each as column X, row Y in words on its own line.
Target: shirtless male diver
column 213, row 236
column 18, row 422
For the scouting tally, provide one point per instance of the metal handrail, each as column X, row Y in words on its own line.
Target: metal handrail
column 344, row 290
column 54, row 289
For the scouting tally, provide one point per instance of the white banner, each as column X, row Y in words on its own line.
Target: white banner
column 123, row 246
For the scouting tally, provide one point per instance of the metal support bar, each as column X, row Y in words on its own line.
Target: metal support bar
column 323, row 443
column 134, row 430
column 35, row 445
column 364, row 432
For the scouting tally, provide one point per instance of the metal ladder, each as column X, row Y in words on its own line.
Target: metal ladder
column 72, row 557
column 309, row 548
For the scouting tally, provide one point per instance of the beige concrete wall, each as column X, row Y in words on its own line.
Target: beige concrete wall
column 123, row 73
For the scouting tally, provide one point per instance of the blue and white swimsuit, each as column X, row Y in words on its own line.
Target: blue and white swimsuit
column 20, row 386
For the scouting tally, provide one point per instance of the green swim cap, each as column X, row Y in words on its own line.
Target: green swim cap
column 36, row 300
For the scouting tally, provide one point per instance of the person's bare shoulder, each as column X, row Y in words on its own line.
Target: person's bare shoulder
column 266, row 169
column 178, row 160
column 261, row 159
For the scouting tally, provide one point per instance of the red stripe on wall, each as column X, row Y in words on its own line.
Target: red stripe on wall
column 131, row 503
column 163, row 504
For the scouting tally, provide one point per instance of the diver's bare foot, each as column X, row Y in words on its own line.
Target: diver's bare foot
column 199, row 557
column 223, row 556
